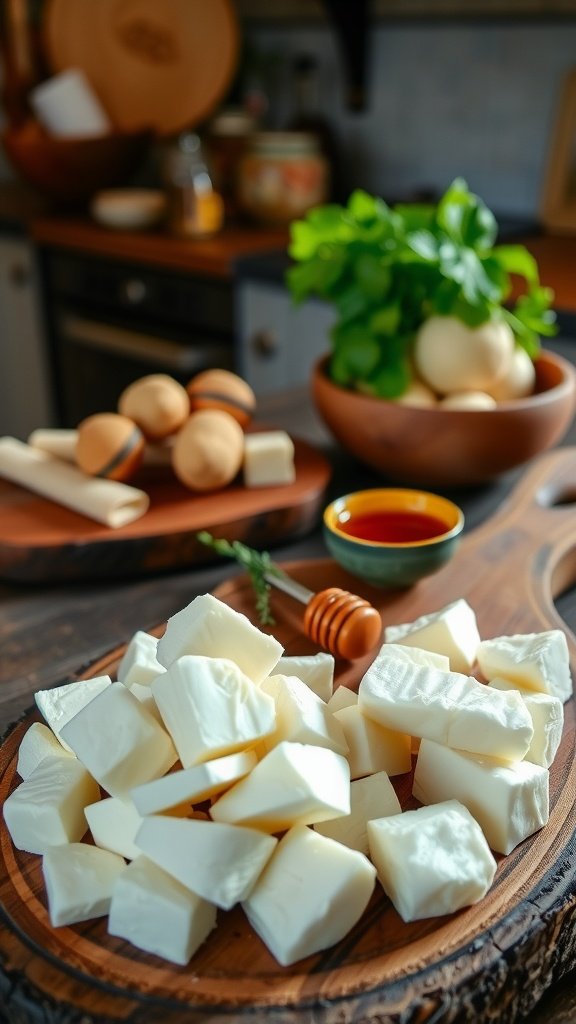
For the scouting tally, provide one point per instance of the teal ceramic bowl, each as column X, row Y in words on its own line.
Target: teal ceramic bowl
column 392, row 537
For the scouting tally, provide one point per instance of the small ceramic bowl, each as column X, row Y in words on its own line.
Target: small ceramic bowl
column 392, row 537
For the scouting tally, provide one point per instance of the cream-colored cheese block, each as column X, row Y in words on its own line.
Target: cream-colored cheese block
column 452, row 631
column 47, row 809
column 211, row 708
column 371, row 746
column 268, row 459
column 301, row 716
column 416, row 655
column 145, row 697
column 371, row 797
column 139, row 663
column 79, row 880
column 547, row 714
column 119, row 742
column 316, row 670
column 448, row 707
column 431, row 861
column 192, row 785
column 536, row 661
column 295, row 784
column 60, row 704
column 342, row 697
column 114, row 823
column 156, row 913
column 209, row 627
column 312, row 892
column 509, row 801
column 37, row 743
column 217, row 861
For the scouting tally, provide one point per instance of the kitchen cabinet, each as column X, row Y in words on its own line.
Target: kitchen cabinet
column 25, row 391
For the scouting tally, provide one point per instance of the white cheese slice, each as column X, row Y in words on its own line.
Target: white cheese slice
column 509, row 801
column 139, row 663
column 547, row 714
column 342, row 697
column 268, row 459
column 452, row 631
column 192, row 785
column 47, row 809
column 416, row 655
column 295, row 784
column 37, row 743
column 209, row 627
column 316, row 670
column 431, row 861
column 211, row 708
column 119, row 742
column 301, row 716
column 218, row 861
column 535, row 661
column 156, row 913
column 79, row 881
column 114, row 824
column 371, row 797
column 371, row 746
column 447, row 707
column 61, row 703
column 310, row 895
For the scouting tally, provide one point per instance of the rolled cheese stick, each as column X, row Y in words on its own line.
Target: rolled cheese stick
column 106, row 501
column 61, row 443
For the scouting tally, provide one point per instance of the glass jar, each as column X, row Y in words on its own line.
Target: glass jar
column 195, row 209
column 282, row 175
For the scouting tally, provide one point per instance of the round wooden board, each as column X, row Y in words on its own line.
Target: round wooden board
column 489, row 962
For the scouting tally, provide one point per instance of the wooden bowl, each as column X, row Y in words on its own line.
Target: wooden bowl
column 449, row 447
column 71, row 170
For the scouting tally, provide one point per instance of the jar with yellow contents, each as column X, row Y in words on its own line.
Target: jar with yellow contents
column 195, row 208
column 281, row 176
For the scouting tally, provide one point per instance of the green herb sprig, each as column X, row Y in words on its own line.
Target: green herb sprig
column 256, row 563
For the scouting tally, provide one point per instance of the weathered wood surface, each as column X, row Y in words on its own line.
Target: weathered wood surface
column 488, row 963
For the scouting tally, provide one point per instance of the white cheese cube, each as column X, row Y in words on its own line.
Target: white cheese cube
column 316, row 670
column 47, row 809
column 310, row 895
column 209, row 627
column 434, row 860
column 452, row 631
column 192, row 785
column 156, row 913
column 547, row 714
column 447, row 707
column 371, row 797
column 114, row 824
column 211, row 708
column 79, row 881
column 145, row 697
column 295, row 784
column 301, row 716
column 139, row 663
column 268, row 459
column 37, row 743
column 343, row 697
column 118, row 741
column 416, row 655
column 371, row 746
column 61, row 703
column 217, row 861
column 509, row 801
column 536, row 661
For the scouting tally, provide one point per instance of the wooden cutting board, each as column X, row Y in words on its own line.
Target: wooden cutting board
column 488, row 962
column 41, row 541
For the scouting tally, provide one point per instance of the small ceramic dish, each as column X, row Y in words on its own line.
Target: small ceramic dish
column 392, row 537
column 129, row 209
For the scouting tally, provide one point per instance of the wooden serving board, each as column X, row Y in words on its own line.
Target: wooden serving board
column 42, row 541
column 489, row 962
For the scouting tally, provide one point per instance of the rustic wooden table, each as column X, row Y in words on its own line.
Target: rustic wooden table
column 49, row 634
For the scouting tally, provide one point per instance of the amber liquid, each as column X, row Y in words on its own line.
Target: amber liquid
column 394, row 527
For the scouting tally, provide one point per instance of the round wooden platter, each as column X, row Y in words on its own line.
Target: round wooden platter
column 42, row 541
column 489, row 962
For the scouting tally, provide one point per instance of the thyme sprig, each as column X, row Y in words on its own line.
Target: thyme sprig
column 256, row 563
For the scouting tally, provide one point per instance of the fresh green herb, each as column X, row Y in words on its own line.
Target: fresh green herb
column 257, row 565
column 388, row 269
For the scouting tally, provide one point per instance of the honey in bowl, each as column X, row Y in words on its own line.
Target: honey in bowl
column 392, row 527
